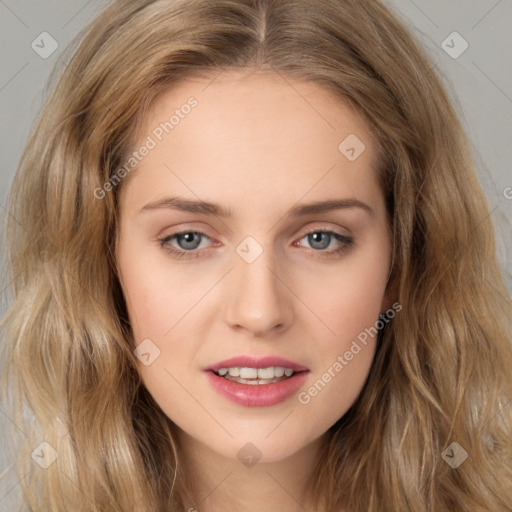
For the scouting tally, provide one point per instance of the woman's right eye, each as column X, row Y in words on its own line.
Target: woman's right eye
column 188, row 240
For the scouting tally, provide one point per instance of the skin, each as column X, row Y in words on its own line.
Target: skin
column 258, row 145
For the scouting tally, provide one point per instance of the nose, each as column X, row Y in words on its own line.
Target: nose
column 259, row 300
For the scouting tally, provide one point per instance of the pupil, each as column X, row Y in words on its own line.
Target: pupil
column 190, row 240
column 314, row 238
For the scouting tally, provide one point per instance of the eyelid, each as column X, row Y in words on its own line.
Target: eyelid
column 322, row 229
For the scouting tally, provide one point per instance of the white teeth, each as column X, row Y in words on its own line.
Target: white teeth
column 278, row 371
column 247, row 373
column 266, row 373
column 256, row 373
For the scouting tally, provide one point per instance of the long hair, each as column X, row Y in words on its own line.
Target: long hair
column 441, row 374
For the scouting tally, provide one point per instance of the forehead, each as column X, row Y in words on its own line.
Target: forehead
column 250, row 130
column 257, row 99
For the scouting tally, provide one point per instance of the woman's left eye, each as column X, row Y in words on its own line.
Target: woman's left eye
column 321, row 240
column 189, row 241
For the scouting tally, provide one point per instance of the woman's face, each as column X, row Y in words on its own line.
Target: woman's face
column 258, row 270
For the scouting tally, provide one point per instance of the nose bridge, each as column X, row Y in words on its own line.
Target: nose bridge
column 258, row 300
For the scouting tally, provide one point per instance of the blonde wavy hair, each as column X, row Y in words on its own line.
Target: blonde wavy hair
column 442, row 370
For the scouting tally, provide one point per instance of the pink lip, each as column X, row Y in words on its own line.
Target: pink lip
column 257, row 395
column 251, row 362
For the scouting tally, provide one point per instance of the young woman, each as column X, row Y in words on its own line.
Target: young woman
column 252, row 269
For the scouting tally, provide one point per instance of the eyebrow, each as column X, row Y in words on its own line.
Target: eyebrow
column 207, row 208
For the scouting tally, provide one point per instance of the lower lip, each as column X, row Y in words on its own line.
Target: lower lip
column 257, row 395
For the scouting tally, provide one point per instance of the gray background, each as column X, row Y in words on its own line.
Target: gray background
column 479, row 82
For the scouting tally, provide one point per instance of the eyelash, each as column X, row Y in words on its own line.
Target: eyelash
column 347, row 243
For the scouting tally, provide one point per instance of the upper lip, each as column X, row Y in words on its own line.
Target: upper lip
column 256, row 362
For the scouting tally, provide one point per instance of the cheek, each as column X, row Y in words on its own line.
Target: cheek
column 157, row 299
column 159, row 307
column 334, row 388
column 150, row 307
column 349, row 299
column 347, row 306
column 164, row 306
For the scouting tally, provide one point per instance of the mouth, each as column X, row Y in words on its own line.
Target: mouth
column 257, row 382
